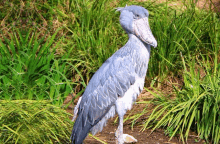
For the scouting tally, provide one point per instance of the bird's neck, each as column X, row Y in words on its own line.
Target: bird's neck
column 137, row 43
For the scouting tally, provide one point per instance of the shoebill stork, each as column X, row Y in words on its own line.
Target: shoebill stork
column 117, row 83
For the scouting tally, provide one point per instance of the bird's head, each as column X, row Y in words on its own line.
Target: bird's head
column 134, row 20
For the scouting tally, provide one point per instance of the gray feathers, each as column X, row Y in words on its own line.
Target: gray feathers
column 115, row 86
column 111, row 81
column 99, row 126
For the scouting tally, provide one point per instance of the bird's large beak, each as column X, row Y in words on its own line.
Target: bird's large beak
column 142, row 31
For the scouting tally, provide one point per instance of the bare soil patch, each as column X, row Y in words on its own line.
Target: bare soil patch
column 146, row 137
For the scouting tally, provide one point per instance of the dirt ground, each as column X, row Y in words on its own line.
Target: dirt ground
column 146, row 137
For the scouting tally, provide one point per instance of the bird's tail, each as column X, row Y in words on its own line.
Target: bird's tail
column 76, row 109
column 80, row 131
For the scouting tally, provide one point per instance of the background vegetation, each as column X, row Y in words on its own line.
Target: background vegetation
column 49, row 49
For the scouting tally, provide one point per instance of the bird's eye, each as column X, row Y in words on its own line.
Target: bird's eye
column 137, row 15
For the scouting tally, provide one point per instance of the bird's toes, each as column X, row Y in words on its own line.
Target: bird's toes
column 129, row 139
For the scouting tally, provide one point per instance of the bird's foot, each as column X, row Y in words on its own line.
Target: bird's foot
column 126, row 139
column 129, row 139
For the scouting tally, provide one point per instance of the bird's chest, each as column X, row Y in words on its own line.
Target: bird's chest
column 125, row 103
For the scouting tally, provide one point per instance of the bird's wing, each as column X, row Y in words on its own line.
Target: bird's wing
column 111, row 81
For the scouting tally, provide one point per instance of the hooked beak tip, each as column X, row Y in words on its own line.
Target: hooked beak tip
column 154, row 45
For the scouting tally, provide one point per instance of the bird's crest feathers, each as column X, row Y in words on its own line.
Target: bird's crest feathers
column 120, row 8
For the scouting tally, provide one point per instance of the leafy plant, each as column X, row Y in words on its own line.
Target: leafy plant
column 29, row 69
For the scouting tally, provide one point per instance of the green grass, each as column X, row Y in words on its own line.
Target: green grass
column 97, row 34
column 29, row 121
column 195, row 106
column 51, row 48
column 189, row 32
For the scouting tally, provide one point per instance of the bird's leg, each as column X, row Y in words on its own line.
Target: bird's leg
column 123, row 138
column 119, row 131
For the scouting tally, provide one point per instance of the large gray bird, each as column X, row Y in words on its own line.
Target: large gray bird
column 118, row 82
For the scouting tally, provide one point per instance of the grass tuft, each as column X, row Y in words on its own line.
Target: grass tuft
column 29, row 121
column 195, row 106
